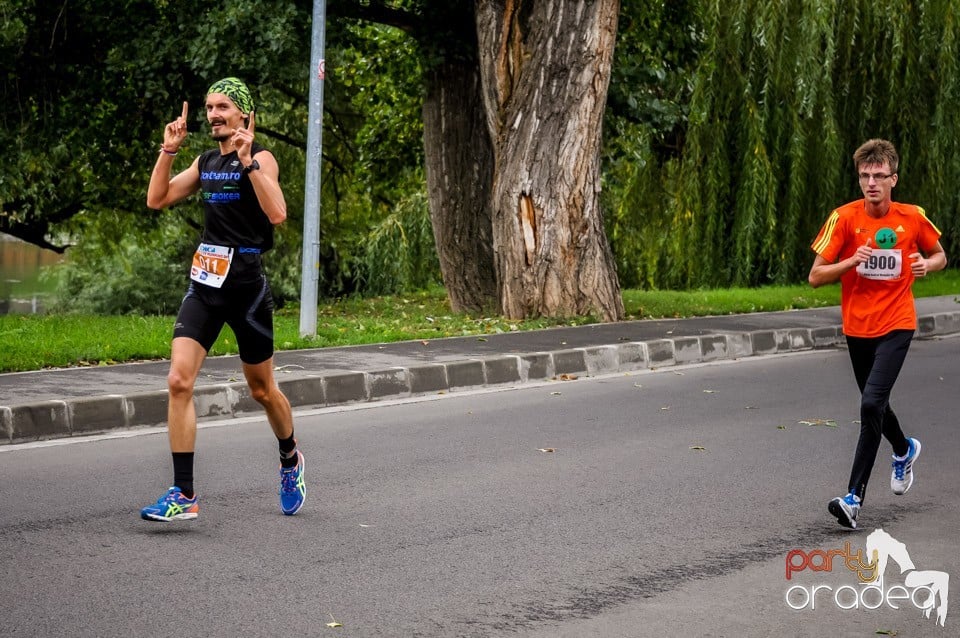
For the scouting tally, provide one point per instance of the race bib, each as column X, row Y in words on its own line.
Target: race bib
column 884, row 264
column 211, row 264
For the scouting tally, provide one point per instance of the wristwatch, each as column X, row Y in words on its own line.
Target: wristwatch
column 254, row 166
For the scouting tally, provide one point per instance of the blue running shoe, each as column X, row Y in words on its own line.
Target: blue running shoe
column 292, row 489
column 172, row 506
column 846, row 508
column 902, row 477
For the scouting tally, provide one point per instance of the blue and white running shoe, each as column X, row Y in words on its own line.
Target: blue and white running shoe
column 292, row 489
column 902, row 476
column 846, row 508
column 172, row 506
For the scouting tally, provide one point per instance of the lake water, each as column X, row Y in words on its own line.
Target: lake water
column 21, row 288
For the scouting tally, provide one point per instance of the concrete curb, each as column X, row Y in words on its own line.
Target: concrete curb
column 98, row 414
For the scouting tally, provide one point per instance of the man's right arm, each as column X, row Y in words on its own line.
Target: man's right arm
column 164, row 191
column 823, row 272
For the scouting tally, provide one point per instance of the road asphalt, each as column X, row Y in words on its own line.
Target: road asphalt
column 68, row 402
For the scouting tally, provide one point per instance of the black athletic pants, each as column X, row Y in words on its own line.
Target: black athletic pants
column 876, row 365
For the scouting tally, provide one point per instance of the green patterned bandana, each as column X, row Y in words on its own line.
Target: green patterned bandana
column 236, row 90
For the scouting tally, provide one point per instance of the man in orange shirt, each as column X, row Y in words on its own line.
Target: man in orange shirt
column 875, row 247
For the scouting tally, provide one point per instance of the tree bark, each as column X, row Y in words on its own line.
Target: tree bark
column 459, row 163
column 545, row 69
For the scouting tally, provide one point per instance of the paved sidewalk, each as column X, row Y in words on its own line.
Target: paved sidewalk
column 78, row 401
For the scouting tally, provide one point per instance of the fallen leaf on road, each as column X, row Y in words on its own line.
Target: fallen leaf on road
column 334, row 623
column 664, row 408
column 830, row 423
column 555, row 394
column 698, row 448
column 568, row 377
column 546, row 449
column 781, row 427
column 709, row 391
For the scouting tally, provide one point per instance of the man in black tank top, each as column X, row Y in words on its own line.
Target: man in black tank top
column 242, row 201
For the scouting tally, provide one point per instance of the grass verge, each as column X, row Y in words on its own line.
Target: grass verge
column 34, row 342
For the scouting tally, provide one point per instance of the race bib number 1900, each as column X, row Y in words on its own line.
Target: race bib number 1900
column 211, row 264
column 884, row 264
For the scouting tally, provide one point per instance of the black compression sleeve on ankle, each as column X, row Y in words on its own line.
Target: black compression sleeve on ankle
column 287, row 446
column 183, row 472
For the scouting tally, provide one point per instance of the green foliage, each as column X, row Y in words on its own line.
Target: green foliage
column 649, row 85
column 728, row 132
column 399, row 253
column 84, row 96
column 377, row 182
column 644, row 132
column 380, row 73
column 116, row 276
column 780, row 95
column 764, row 161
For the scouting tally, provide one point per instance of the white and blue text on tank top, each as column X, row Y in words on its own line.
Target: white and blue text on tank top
column 230, row 192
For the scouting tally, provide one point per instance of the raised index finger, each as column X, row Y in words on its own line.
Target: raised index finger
column 250, row 124
column 184, row 114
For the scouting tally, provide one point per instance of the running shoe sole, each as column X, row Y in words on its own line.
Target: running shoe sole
column 836, row 507
column 186, row 516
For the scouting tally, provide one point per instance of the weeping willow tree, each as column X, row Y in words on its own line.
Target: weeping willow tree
column 782, row 94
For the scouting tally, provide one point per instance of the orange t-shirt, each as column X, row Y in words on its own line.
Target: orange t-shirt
column 876, row 297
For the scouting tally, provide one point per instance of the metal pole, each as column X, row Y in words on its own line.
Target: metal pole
column 310, row 277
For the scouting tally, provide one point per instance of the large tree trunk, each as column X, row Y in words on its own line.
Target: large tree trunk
column 459, row 161
column 545, row 67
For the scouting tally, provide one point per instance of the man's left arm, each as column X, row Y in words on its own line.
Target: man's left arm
column 266, row 184
column 935, row 260
column 266, row 178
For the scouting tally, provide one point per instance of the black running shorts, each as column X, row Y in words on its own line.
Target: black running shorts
column 248, row 310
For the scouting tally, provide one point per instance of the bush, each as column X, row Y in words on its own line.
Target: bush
column 144, row 275
column 399, row 253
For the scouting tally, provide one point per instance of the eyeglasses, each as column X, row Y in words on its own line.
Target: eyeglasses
column 877, row 177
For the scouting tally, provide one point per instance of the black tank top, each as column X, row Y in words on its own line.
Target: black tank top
column 232, row 215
